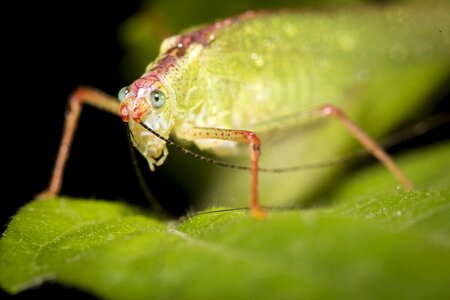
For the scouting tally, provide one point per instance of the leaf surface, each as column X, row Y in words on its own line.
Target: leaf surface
column 369, row 244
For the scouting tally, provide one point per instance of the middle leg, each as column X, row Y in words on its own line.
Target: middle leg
column 242, row 136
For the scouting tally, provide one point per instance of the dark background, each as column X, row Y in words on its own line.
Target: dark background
column 48, row 51
column 55, row 49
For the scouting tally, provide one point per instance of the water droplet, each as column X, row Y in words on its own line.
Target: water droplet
column 257, row 59
column 398, row 213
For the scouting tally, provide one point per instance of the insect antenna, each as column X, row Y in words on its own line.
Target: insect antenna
column 247, row 168
column 194, row 214
column 402, row 136
column 415, row 130
column 214, row 211
column 193, row 154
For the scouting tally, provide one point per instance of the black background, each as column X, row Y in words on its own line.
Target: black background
column 48, row 50
column 51, row 50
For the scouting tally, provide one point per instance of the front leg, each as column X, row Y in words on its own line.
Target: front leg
column 241, row 136
column 82, row 95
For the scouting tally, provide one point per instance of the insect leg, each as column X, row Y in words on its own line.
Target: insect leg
column 82, row 95
column 329, row 110
column 242, row 136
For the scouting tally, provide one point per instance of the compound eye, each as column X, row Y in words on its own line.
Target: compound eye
column 158, row 98
column 122, row 93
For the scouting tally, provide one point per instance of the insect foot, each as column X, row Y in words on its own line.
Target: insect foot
column 258, row 213
column 45, row 195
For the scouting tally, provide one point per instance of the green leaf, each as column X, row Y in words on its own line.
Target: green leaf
column 371, row 244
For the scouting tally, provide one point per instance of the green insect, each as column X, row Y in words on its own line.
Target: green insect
column 264, row 78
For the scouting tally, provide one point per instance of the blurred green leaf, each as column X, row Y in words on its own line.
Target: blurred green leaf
column 370, row 244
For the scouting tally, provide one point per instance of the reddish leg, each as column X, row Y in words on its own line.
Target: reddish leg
column 82, row 95
column 242, row 136
column 371, row 146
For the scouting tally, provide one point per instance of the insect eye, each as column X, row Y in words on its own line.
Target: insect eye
column 122, row 93
column 157, row 98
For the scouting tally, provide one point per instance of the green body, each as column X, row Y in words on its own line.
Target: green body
column 260, row 73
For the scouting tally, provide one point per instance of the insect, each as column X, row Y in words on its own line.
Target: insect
column 244, row 79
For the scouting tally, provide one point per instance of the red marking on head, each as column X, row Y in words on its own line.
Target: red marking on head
column 148, row 81
column 140, row 108
column 145, row 82
column 124, row 112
